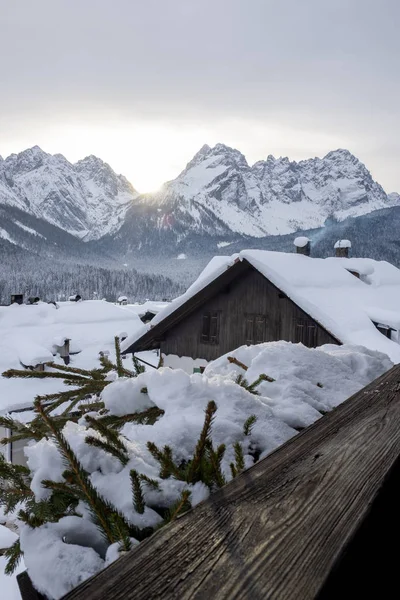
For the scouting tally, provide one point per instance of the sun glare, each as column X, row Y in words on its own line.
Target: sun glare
column 147, row 154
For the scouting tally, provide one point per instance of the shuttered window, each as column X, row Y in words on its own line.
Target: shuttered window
column 255, row 328
column 210, row 327
column 306, row 332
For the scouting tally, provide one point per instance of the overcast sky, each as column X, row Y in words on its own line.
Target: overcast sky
column 145, row 83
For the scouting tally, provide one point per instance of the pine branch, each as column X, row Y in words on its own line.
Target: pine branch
column 164, row 457
column 194, row 466
column 215, row 458
column 99, row 508
column 119, row 363
column 239, row 458
column 249, row 424
column 233, row 470
column 252, row 387
column 235, row 361
column 111, row 436
column 147, row 417
column 69, row 369
column 152, row 483
column 137, row 492
column 240, row 380
column 28, row 374
column 108, row 448
column 138, row 368
column 181, row 506
column 14, row 555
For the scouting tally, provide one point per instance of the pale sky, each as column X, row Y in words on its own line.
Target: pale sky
column 143, row 84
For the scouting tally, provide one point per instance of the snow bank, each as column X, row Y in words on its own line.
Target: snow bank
column 308, row 382
column 29, row 334
column 57, row 567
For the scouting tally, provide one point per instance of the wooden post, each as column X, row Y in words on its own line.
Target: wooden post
column 64, row 351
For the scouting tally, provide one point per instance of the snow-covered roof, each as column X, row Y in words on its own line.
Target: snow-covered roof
column 324, row 288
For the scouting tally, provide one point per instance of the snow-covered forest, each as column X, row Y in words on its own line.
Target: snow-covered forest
column 54, row 280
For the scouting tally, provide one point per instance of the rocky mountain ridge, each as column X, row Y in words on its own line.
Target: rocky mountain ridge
column 218, row 194
column 86, row 199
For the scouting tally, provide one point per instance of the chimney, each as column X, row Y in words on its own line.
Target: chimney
column 342, row 248
column 303, row 245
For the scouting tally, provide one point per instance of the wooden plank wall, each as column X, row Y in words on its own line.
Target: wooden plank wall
column 283, row 528
column 249, row 293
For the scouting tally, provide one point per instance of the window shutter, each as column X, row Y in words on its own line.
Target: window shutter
column 260, row 330
column 249, row 329
column 205, row 332
column 214, row 327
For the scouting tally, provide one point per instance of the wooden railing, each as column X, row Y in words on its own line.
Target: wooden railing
column 312, row 520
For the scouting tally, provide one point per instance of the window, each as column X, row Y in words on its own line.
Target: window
column 255, row 328
column 210, row 328
column 305, row 332
column 384, row 329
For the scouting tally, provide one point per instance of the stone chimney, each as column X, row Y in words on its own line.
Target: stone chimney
column 303, row 245
column 342, row 248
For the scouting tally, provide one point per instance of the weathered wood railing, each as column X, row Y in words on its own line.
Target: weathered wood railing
column 312, row 520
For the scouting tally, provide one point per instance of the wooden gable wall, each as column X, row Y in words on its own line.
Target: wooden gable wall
column 247, row 299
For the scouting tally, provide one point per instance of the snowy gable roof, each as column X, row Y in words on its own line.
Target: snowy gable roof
column 323, row 288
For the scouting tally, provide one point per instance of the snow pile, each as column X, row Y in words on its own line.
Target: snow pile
column 301, row 241
column 308, row 382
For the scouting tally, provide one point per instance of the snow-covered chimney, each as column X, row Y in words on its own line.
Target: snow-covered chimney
column 303, row 245
column 342, row 248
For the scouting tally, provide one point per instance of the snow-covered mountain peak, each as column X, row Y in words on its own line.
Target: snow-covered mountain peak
column 87, row 199
column 219, row 193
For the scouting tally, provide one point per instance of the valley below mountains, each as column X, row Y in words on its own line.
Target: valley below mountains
column 86, row 214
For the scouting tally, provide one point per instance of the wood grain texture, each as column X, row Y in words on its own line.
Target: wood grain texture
column 277, row 530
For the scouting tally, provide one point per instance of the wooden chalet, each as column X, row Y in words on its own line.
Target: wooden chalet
column 259, row 296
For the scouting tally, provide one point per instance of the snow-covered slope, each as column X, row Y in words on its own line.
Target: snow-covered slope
column 217, row 195
column 86, row 199
column 218, row 192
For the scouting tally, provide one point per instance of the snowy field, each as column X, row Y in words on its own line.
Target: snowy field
column 304, row 384
column 29, row 332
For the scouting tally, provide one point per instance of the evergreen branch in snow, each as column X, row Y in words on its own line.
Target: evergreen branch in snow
column 146, row 417
column 235, row 361
column 215, row 458
column 111, row 436
column 181, row 506
column 137, row 492
column 252, row 387
column 239, row 457
column 14, row 555
column 138, row 368
column 249, row 424
column 99, row 507
column 193, row 471
column 108, row 448
column 164, row 457
column 152, row 483
column 84, row 373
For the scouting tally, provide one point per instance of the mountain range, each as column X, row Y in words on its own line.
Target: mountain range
column 85, row 212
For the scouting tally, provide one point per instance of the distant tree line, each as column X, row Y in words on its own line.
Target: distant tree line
column 52, row 280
